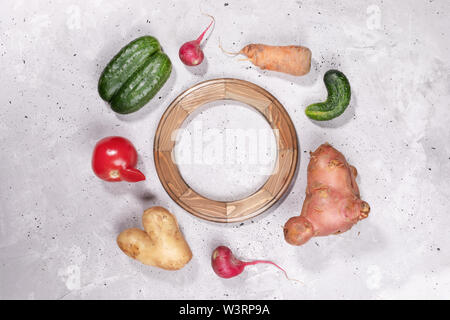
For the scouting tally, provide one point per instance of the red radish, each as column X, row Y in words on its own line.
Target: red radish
column 226, row 265
column 114, row 159
column 191, row 53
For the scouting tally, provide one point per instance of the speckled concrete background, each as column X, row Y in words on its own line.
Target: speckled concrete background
column 58, row 222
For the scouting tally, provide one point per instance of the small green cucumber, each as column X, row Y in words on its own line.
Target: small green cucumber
column 143, row 84
column 124, row 64
column 339, row 93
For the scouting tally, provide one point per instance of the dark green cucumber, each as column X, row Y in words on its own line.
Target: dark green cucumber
column 129, row 59
column 134, row 75
column 339, row 94
column 143, row 84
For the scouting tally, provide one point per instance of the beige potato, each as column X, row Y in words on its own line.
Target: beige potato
column 161, row 244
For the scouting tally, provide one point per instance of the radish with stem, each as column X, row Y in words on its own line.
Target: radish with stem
column 190, row 53
column 226, row 265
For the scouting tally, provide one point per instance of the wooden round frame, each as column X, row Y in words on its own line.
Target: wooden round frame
column 223, row 89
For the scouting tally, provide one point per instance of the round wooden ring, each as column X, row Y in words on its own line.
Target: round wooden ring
column 223, row 89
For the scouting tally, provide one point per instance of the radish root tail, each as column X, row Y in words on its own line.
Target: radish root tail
column 274, row 264
column 199, row 39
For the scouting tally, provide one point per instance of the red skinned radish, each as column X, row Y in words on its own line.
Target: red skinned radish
column 191, row 54
column 226, row 265
column 114, row 159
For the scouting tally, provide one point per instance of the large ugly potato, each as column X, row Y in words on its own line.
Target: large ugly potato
column 332, row 204
column 161, row 244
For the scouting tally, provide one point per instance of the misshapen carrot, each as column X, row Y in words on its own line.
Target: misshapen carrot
column 295, row 60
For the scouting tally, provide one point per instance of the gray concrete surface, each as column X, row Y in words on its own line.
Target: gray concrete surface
column 58, row 222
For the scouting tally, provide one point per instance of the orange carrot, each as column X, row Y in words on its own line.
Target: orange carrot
column 295, row 60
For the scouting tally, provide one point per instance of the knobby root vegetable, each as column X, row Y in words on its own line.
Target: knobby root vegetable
column 294, row 60
column 332, row 204
column 161, row 244
column 226, row 265
column 190, row 53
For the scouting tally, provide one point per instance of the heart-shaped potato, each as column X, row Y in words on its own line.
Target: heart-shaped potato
column 161, row 244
